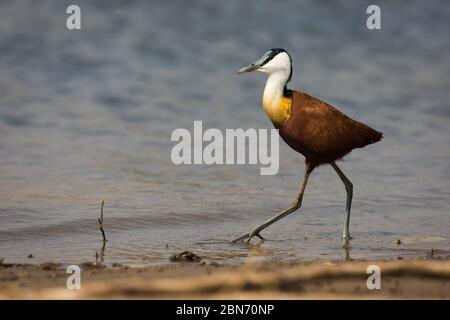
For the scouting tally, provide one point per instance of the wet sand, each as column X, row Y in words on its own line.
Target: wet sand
column 400, row 279
column 88, row 116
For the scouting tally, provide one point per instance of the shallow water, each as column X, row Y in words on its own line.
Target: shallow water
column 87, row 115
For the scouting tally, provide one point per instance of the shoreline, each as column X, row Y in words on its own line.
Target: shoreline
column 415, row 278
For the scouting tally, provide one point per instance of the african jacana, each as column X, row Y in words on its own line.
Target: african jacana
column 317, row 130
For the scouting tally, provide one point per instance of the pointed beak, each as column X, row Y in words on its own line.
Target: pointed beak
column 249, row 68
column 254, row 66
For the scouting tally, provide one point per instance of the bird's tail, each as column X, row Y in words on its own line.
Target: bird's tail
column 373, row 136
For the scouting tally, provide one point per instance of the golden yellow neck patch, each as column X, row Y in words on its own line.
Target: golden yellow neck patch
column 278, row 110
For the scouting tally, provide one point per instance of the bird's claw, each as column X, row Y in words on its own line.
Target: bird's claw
column 248, row 236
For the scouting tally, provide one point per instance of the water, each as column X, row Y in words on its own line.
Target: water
column 87, row 115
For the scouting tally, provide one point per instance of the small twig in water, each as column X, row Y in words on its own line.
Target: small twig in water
column 100, row 221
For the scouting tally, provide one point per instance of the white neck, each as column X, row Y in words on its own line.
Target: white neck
column 274, row 89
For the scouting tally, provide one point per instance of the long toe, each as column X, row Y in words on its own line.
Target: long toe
column 250, row 236
column 241, row 238
column 260, row 236
column 254, row 233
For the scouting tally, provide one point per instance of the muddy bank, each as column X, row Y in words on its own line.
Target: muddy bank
column 410, row 279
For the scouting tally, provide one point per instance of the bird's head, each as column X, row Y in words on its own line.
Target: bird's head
column 273, row 61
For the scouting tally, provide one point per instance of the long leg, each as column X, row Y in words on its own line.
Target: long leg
column 349, row 188
column 297, row 204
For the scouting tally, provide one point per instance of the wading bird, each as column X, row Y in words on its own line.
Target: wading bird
column 317, row 130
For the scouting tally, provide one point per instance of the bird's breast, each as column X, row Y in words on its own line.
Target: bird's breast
column 278, row 110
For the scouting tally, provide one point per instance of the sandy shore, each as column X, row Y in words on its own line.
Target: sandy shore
column 411, row 279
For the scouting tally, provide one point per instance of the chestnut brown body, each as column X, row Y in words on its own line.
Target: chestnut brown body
column 322, row 133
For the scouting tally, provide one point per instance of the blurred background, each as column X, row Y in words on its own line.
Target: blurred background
column 87, row 116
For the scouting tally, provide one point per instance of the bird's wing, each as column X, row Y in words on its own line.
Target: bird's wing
column 327, row 131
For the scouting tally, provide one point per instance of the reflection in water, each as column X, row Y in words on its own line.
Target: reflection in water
column 88, row 115
column 257, row 251
column 346, row 252
column 100, row 257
